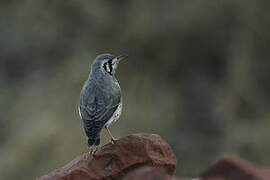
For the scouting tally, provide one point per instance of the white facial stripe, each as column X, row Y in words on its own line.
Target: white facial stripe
column 107, row 67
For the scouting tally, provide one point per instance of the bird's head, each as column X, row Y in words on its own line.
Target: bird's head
column 107, row 63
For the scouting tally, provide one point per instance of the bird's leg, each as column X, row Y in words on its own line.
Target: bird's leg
column 113, row 140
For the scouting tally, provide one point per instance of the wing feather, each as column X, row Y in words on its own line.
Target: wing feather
column 96, row 109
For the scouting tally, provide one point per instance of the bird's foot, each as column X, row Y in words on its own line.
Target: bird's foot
column 93, row 151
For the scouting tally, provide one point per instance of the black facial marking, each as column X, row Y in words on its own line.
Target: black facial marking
column 108, row 67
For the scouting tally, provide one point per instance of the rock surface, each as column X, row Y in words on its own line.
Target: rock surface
column 232, row 168
column 114, row 161
column 151, row 173
column 147, row 157
column 148, row 173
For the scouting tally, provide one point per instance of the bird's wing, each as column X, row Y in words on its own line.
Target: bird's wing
column 96, row 109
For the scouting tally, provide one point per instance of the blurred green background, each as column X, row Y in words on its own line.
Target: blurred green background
column 198, row 75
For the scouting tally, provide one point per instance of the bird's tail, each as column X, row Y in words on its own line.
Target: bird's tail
column 93, row 141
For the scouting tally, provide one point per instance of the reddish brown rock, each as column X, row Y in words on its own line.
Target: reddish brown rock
column 113, row 161
column 148, row 173
column 151, row 173
column 232, row 168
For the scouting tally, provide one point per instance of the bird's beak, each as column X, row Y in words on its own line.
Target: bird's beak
column 121, row 58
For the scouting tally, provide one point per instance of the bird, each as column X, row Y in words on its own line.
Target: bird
column 100, row 98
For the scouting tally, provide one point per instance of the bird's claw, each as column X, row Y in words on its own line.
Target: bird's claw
column 113, row 141
column 93, row 151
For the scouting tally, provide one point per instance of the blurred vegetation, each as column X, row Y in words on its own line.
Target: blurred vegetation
column 198, row 75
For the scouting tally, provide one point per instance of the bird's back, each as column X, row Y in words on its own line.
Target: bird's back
column 98, row 102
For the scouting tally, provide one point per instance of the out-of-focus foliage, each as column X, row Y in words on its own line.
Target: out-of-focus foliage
column 198, row 75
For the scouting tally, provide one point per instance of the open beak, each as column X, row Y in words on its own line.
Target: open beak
column 121, row 58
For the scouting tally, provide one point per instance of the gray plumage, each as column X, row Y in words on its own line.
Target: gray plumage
column 100, row 100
